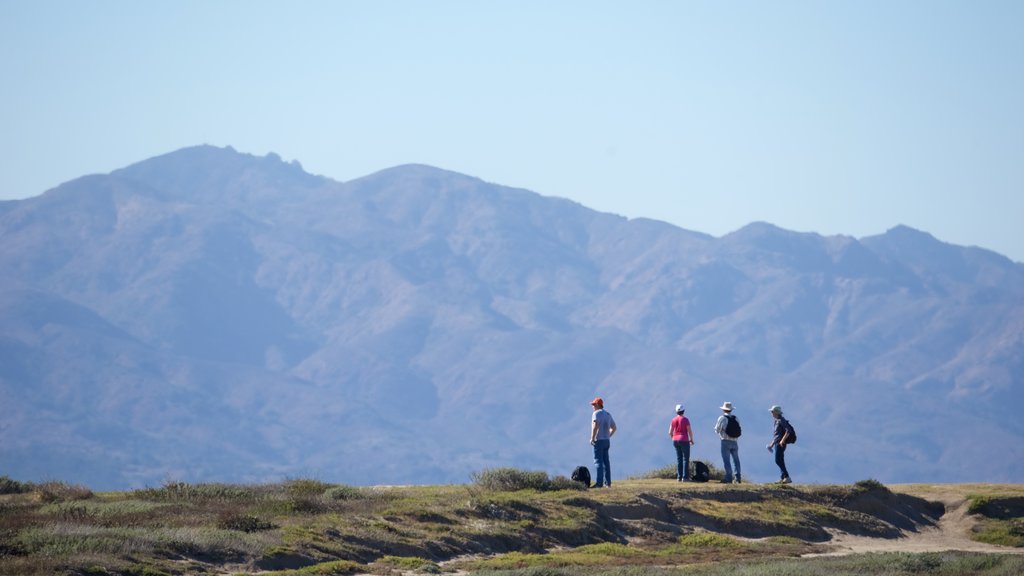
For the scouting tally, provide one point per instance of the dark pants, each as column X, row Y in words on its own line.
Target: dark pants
column 682, row 459
column 780, row 460
column 601, row 462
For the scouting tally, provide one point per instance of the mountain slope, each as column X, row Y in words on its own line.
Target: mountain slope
column 209, row 315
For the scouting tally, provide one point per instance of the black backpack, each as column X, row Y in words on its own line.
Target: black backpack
column 732, row 426
column 792, row 433
column 582, row 475
column 701, row 472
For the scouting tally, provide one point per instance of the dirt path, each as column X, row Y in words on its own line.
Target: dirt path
column 951, row 533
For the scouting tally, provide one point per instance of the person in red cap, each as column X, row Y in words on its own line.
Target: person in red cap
column 602, row 428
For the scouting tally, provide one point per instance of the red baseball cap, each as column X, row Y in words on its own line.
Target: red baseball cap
column 597, row 402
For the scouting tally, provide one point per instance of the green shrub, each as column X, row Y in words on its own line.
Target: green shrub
column 343, row 492
column 243, row 523
column 410, row 563
column 512, row 479
column 8, row 486
column 870, row 485
column 175, row 491
column 61, row 492
column 305, row 488
column 667, row 472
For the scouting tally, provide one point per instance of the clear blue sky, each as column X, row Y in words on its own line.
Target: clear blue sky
column 829, row 117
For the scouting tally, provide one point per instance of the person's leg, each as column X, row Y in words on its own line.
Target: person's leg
column 686, row 460
column 780, row 461
column 598, row 465
column 726, row 462
column 607, row 444
column 680, row 470
column 736, row 458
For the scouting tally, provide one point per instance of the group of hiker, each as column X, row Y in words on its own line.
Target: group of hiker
column 727, row 427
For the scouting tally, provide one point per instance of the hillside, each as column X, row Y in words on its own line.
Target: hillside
column 208, row 315
column 509, row 520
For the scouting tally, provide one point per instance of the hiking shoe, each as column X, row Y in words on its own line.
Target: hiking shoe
column 724, row 481
column 738, row 481
column 785, row 480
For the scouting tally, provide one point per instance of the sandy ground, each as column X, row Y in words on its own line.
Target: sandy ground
column 951, row 532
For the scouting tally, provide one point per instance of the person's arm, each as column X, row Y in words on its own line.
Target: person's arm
column 689, row 433
column 785, row 437
column 671, row 429
column 776, row 439
column 611, row 427
column 593, row 431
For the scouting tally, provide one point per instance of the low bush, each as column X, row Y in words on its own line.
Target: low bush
column 668, row 472
column 343, row 492
column 512, row 479
column 61, row 492
column 870, row 485
column 243, row 523
column 8, row 486
column 174, row 491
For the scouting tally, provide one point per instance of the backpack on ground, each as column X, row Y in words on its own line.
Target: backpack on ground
column 701, row 472
column 732, row 426
column 582, row 475
column 791, row 432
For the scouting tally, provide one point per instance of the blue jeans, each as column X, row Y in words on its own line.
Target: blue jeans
column 730, row 448
column 601, row 462
column 682, row 459
column 780, row 460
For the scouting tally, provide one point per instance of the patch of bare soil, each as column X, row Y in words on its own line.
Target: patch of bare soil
column 951, row 532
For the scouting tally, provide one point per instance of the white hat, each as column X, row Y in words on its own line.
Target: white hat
column 776, row 409
column 727, row 406
column 679, row 408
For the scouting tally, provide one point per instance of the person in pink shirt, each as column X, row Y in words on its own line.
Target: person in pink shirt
column 681, row 433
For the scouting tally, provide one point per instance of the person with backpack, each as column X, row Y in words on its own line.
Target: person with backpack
column 681, row 433
column 728, row 429
column 782, row 436
column 602, row 428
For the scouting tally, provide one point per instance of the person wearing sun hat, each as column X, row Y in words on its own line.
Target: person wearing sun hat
column 728, row 429
column 602, row 428
column 780, row 438
column 681, row 433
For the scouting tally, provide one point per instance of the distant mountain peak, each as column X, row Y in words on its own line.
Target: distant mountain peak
column 203, row 171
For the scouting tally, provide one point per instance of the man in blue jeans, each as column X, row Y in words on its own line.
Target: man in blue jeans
column 728, row 430
column 602, row 428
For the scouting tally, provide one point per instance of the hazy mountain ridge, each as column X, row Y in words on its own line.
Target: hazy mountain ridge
column 233, row 317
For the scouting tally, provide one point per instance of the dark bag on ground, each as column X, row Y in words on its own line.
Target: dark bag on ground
column 701, row 472
column 581, row 474
column 732, row 427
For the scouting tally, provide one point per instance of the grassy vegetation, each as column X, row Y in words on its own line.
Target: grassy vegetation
column 505, row 520
column 511, row 479
column 1003, row 519
column 889, row 564
column 668, row 472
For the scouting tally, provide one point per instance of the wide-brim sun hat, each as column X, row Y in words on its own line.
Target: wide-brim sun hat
column 727, row 406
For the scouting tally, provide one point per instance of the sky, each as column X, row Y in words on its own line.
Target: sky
column 829, row 117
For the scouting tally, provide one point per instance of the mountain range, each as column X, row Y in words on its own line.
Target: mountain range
column 209, row 315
